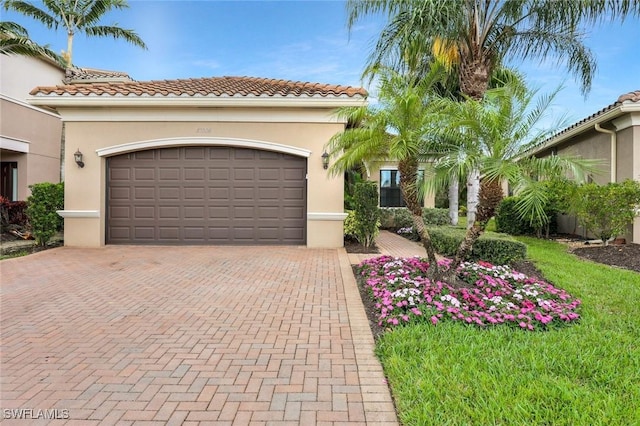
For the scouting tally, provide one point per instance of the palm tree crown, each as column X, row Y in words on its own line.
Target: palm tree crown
column 77, row 16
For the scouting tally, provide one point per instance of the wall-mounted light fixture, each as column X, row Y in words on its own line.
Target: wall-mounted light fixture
column 77, row 156
column 325, row 160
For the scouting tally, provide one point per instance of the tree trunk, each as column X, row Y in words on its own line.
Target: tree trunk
column 490, row 196
column 453, row 200
column 475, row 72
column 67, row 55
column 408, row 169
column 473, row 195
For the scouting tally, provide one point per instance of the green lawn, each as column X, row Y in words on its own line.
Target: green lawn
column 584, row 374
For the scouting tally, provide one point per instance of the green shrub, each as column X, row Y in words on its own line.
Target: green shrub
column 498, row 249
column 508, row 220
column 607, row 210
column 366, row 212
column 394, row 218
column 436, row 217
column 350, row 226
column 43, row 202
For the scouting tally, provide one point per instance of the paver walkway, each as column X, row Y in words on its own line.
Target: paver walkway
column 187, row 335
column 393, row 245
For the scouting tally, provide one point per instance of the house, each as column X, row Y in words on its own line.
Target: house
column 30, row 136
column 611, row 135
column 228, row 160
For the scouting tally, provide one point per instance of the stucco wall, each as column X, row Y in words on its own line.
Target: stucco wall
column 42, row 132
column 20, row 74
column 85, row 187
column 596, row 145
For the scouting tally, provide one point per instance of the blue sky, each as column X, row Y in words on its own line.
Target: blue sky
column 307, row 41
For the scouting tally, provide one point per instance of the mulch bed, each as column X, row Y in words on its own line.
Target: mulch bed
column 625, row 256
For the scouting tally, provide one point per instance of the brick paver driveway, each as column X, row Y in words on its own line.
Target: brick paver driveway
column 180, row 335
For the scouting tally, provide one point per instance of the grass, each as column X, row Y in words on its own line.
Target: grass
column 585, row 374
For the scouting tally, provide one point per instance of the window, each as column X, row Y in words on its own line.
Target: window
column 390, row 194
column 9, row 180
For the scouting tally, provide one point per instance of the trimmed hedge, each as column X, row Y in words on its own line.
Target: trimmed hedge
column 498, row 249
column 509, row 222
column 396, row 218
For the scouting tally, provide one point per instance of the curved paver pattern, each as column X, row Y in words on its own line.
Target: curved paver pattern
column 181, row 335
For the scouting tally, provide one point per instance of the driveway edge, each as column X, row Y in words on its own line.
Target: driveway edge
column 377, row 401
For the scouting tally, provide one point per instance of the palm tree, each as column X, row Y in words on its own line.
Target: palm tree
column 484, row 33
column 492, row 136
column 394, row 130
column 14, row 40
column 77, row 16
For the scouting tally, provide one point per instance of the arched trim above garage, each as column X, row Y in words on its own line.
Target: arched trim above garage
column 201, row 141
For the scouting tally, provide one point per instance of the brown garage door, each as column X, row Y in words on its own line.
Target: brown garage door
column 206, row 195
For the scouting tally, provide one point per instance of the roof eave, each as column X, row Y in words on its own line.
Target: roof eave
column 58, row 101
column 627, row 107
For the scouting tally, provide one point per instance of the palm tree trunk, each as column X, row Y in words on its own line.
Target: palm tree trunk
column 68, row 54
column 473, row 195
column 408, row 169
column 490, row 196
column 454, row 200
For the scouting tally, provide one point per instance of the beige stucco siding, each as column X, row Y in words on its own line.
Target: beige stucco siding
column 41, row 132
column 20, row 74
column 85, row 188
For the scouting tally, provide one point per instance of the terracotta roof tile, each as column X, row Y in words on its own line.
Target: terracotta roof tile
column 631, row 97
column 214, row 86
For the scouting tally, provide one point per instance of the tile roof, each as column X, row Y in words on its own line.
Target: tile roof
column 80, row 75
column 626, row 97
column 209, row 87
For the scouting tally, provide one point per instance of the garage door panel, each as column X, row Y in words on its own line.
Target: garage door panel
column 144, row 155
column 168, row 173
column 120, row 193
column 169, row 193
column 169, row 154
column 169, row 212
column 144, row 233
column 244, row 174
column 219, row 193
column 196, row 193
column 206, row 195
column 194, row 153
column 120, row 174
column 142, row 174
column 170, row 233
column 219, row 174
column 144, row 212
column 145, row 193
column 120, row 212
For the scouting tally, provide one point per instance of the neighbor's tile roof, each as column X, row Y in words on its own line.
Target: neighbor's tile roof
column 77, row 75
column 631, row 96
column 215, row 86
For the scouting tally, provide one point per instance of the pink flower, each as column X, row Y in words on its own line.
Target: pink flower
column 434, row 319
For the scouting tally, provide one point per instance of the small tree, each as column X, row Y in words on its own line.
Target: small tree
column 43, row 202
column 608, row 209
column 366, row 212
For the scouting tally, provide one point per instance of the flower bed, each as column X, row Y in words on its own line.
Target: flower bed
column 496, row 295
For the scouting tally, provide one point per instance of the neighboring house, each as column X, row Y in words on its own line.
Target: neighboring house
column 387, row 176
column 229, row 160
column 611, row 135
column 30, row 136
